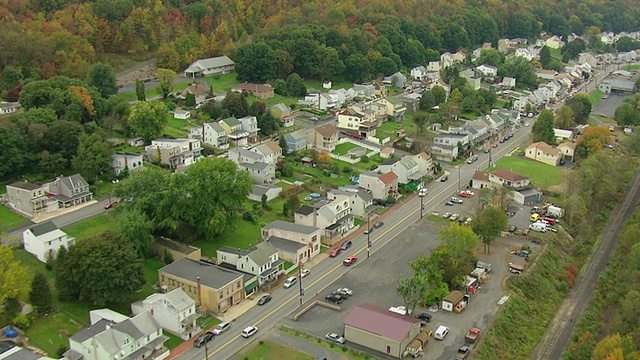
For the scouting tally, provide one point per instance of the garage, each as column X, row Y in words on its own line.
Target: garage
column 379, row 329
column 529, row 196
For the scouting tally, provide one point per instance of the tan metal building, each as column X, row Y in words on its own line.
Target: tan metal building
column 380, row 330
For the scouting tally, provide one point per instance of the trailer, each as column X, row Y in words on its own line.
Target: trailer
column 417, row 345
column 472, row 335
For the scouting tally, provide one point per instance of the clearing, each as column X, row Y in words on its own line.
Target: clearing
column 542, row 175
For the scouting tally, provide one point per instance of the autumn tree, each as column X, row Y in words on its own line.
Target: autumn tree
column 148, row 119
column 489, row 224
column 543, row 128
column 101, row 76
column 13, row 277
column 609, row 348
column 564, row 118
column 165, row 81
column 593, row 139
column 40, row 295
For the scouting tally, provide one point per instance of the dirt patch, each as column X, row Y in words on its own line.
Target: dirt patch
column 144, row 71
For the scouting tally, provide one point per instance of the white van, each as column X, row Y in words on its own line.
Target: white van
column 441, row 332
column 538, row 226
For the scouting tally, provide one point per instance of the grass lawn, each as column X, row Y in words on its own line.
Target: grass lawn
column 52, row 332
column 317, row 173
column 343, row 149
column 90, row 227
column 316, row 85
column 10, row 220
column 222, row 83
column 173, row 341
column 268, row 350
column 177, row 88
column 542, row 175
column 555, row 53
column 632, row 67
column 595, row 96
column 388, row 130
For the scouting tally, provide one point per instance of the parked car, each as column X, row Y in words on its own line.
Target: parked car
column 534, row 217
column 203, row 339
column 456, row 200
column 378, row 225
column 342, row 294
column 350, row 260
column 463, row 353
column 348, row 291
column 472, row 159
column 549, row 220
column 448, row 203
column 345, row 245
column 444, row 178
column 304, row 272
column 222, row 327
column 466, row 194
column 447, row 215
column 249, row 331
column 334, row 298
column 513, row 228
column 495, row 145
column 441, row 332
column 290, row 282
column 263, row 300
column 454, row 217
column 110, row 204
column 423, row 192
column 380, row 202
column 535, row 209
column 334, row 337
column 424, row 316
column 334, row 252
column 368, row 231
column 521, row 253
column 486, row 151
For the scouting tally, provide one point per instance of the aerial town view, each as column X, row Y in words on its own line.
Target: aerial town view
column 328, row 180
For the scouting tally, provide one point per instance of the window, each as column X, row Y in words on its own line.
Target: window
column 238, row 285
column 388, row 349
column 221, row 295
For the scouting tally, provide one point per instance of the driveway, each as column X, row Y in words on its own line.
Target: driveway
column 607, row 107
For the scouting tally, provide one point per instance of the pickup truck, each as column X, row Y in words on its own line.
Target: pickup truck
column 472, row 335
column 463, row 353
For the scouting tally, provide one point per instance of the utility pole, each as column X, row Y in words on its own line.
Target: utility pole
column 459, row 177
column 368, row 233
column 206, row 350
column 300, row 282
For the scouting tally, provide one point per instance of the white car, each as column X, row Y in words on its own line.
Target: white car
column 249, row 331
column 456, row 200
column 290, row 282
column 441, row 332
column 346, row 290
column 222, row 327
column 304, row 272
column 423, row 192
column 335, row 338
column 454, row 217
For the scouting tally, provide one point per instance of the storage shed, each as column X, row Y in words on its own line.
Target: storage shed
column 452, row 300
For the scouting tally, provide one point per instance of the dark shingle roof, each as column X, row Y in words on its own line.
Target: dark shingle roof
column 25, row 185
column 45, row 227
column 212, row 276
column 305, row 210
column 285, row 245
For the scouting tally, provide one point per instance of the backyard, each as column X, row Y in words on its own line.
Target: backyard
column 390, row 128
column 343, row 149
column 268, row 350
column 10, row 220
column 542, row 175
column 90, row 227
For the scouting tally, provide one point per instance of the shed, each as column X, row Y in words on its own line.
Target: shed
column 182, row 114
column 452, row 300
column 528, row 196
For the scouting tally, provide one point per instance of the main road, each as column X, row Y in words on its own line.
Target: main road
column 287, row 301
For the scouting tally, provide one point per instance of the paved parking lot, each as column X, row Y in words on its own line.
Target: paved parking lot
column 375, row 280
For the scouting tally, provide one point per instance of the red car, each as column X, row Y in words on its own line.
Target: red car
column 495, row 145
column 110, row 204
column 334, row 252
column 465, row 194
column 550, row 220
column 350, row 260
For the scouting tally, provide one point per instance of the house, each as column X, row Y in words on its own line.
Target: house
column 30, row 199
column 297, row 140
column 452, row 139
column 182, row 114
column 324, row 137
column 487, row 70
column 280, row 110
column 233, row 128
column 546, row 74
column 44, row 240
column 617, row 86
column 199, row 91
column 395, row 107
column 240, row 155
column 334, row 216
column 269, row 150
column 118, row 337
column 587, row 57
column 398, row 80
column 380, row 329
column 177, row 250
column 315, row 100
column 554, row 42
column 361, row 199
column 175, row 311
column 381, row 186
column 8, row 107
column 177, row 153
column 509, row 179
column 259, row 172
column 9, row 351
column 209, row 67
column 258, row 191
column 295, row 242
column 380, row 88
column 210, row 133
column 366, row 91
column 419, row 72
column 129, row 161
column 568, row 150
column 405, row 168
column 70, row 191
column 260, row 260
column 525, row 53
column 288, row 121
column 136, row 142
column 214, row 288
column 508, row 82
column 250, row 125
column 354, row 122
column 480, row 180
column 387, row 152
column 526, row 196
column 503, row 45
column 262, row 92
column 562, row 134
column 544, row 153
column 434, row 67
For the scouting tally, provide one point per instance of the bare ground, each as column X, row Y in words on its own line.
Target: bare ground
column 144, row 71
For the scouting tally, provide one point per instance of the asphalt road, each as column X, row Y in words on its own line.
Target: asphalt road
column 286, row 301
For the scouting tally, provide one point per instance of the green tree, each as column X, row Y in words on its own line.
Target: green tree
column 564, row 118
column 427, row 101
column 580, row 104
column 148, row 119
column 543, row 127
column 52, row 163
column 212, row 192
column 165, row 81
column 11, row 78
column 63, row 137
column 385, row 66
column 283, row 145
column 140, row 91
column 411, row 290
column 330, row 65
column 103, row 78
column 421, row 119
column 13, row 276
column 190, row 99
column 439, row 94
column 296, row 86
column 136, row 229
column 491, row 57
column 489, row 224
column 625, row 114
column 235, row 104
column 14, row 156
column 99, row 270
column 94, row 155
column 256, row 62
column 40, row 295
column 357, row 67
column 519, row 68
column 458, row 239
column 267, row 124
column 545, row 57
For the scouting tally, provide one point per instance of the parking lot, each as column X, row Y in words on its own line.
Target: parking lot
column 374, row 281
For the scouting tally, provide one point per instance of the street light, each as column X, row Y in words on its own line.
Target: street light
column 206, row 351
column 368, row 233
column 300, row 282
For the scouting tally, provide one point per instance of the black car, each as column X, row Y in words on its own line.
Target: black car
column 513, row 228
column 378, row 225
column 334, row 298
column 265, row 299
column 424, row 316
column 380, row 202
column 345, row 245
column 202, row 339
column 444, row 178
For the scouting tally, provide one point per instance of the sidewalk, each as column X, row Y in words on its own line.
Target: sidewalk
column 55, row 214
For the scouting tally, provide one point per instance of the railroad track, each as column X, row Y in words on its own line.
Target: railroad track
column 559, row 335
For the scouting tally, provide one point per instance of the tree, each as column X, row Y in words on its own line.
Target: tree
column 98, row 270
column 267, row 123
column 140, row 91
column 296, row 86
column 136, row 229
column 14, row 156
column 165, row 81
column 190, row 99
column 94, row 155
column 439, row 94
column 256, row 62
column 609, row 348
column 489, row 224
column 235, row 104
column 11, row 78
column 357, row 67
column 625, row 115
column 545, row 57
column 13, row 276
column 427, row 101
column 491, row 57
column 458, row 239
column 211, row 194
column 543, row 127
column 421, row 119
column 148, row 119
column 385, row 66
column 329, row 64
column 581, row 106
column 593, row 138
column 283, row 144
column 103, row 78
column 564, row 118
column 40, row 295
column 411, row 291
column 292, row 204
column 519, row 68
column 52, row 163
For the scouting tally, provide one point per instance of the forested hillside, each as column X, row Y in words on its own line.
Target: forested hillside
column 44, row 38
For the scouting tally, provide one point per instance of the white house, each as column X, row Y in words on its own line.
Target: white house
column 210, row 133
column 261, row 260
column 250, row 125
column 333, row 215
column 129, row 161
column 175, row 311
column 269, row 150
column 554, row 42
column 418, row 72
column 9, row 107
column 208, row 67
column 487, row 70
column 44, row 240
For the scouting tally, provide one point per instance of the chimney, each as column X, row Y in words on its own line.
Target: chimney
column 199, row 291
column 239, row 253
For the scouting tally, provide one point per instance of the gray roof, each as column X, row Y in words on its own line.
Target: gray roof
column 305, row 210
column 44, row 228
column 75, row 180
column 22, row 354
column 233, row 250
column 93, row 330
column 255, row 166
column 210, row 275
column 211, row 63
column 129, row 328
column 25, row 185
column 285, row 245
column 289, row 226
column 390, row 162
column 216, row 127
column 231, row 121
column 260, row 190
column 261, row 252
column 179, row 299
column 9, row 105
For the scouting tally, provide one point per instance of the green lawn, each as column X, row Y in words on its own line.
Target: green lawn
column 632, row 67
column 10, row 220
column 542, row 175
column 595, row 96
column 316, row 85
column 556, row 53
column 222, row 83
column 343, row 149
column 268, row 350
column 90, row 227
column 52, row 332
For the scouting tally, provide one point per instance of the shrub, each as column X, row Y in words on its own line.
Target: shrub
column 22, row 322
